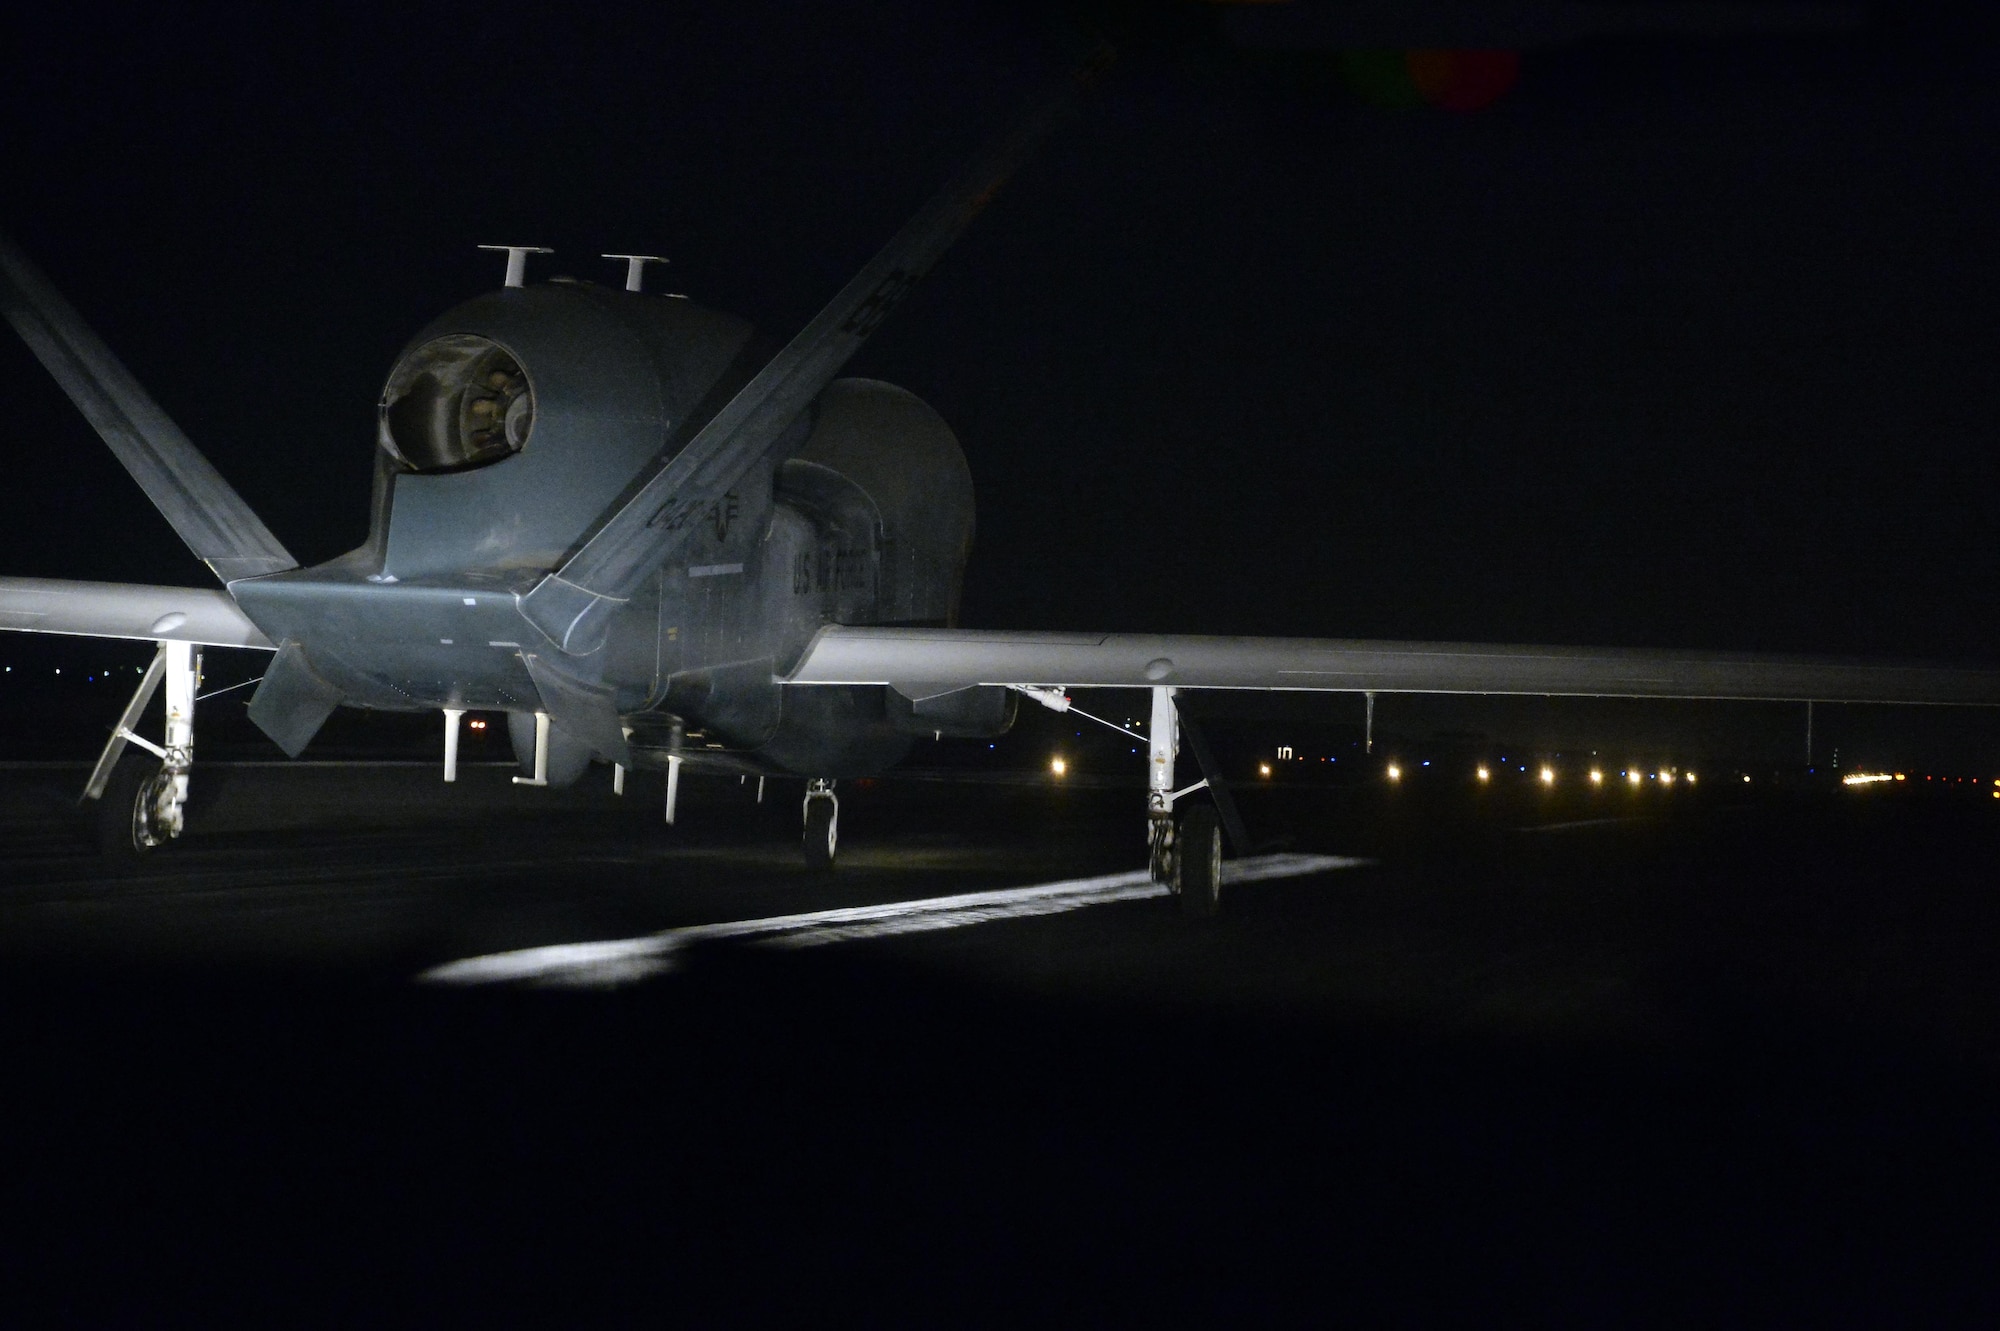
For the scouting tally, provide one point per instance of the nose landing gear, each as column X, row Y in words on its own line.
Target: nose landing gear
column 822, row 819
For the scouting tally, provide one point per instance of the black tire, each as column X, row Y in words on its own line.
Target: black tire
column 1160, row 840
column 119, row 809
column 822, row 833
column 1200, row 862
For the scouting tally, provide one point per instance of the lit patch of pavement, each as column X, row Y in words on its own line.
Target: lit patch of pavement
column 617, row 961
column 1586, row 822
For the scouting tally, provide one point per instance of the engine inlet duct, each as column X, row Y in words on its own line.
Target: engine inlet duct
column 456, row 402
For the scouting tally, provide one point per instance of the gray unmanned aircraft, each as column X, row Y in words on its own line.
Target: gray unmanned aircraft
column 595, row 512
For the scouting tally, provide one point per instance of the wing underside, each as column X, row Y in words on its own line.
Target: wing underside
column 925, row 662
column 127, row 610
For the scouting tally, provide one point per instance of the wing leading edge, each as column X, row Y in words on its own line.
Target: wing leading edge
column 923, row 662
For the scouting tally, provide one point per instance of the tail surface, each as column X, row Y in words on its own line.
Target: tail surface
column 210, row 516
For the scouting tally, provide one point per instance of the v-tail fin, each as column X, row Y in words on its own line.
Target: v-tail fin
column 210, row 516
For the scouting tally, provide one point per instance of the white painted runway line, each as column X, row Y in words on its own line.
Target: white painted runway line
column 617, row 961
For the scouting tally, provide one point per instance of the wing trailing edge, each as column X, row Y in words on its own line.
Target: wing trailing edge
column 961, row 657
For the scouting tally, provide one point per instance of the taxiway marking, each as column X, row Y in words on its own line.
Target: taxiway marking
column 619, row 961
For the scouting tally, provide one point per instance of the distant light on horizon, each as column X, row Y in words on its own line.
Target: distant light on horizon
column 1596, row 777
column 1395, row 772
column 1058, row 766
column 1865, row 778
column 1485, row 775
column 1548, row 776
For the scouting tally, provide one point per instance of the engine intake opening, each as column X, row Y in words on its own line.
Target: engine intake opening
column 456, row 402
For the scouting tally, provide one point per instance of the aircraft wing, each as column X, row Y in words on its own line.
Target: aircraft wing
column 127, row 610
column 923, row 663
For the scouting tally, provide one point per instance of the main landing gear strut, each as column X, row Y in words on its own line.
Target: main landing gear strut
column 1185, row 853
column 141, row 808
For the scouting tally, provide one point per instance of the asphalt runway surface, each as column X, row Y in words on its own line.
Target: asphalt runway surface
column 365, row 1048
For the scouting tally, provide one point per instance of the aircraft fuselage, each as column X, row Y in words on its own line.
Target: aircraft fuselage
column 511, row 423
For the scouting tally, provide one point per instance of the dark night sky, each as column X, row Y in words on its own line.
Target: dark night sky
column 1681, row 344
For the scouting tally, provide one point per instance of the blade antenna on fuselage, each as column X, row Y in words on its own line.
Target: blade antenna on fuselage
column 572, row 604
column 210, row 516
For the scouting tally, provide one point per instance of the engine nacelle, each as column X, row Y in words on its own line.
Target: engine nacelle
column 884, row 483
column 871, row 523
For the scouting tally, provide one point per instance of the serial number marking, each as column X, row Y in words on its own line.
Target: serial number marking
column 678, row 513
column 829, row 569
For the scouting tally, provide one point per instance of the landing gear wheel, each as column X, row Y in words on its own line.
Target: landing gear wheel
column 822, row 832
column 1200, row 862
column 1160, row 850
column 128, row 811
